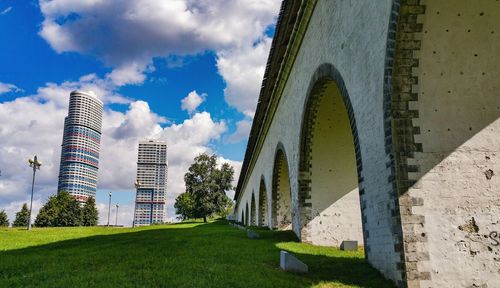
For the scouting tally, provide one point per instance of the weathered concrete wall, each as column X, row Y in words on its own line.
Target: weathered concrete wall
column 458, row 132
column 351, row 36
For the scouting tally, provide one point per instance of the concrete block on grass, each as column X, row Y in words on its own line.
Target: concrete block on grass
column 349, row 245
column 252, row 234
column 289, row 263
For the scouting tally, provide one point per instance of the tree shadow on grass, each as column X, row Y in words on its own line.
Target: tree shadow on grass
column 206, row 255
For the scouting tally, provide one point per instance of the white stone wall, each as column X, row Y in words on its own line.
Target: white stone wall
column 459, row 118
column 350, row 35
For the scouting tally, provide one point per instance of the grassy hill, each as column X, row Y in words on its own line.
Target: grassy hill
column 179, row 255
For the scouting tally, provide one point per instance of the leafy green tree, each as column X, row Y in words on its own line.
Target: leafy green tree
column 207, row 185
column 227, row 211
column 61, row 210
column 184, row 206
column 70, row 212
column 22, row 217
column 90, row 215
column 48, row 213
column 4, row 220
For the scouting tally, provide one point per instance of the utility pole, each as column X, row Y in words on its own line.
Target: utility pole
column 137, row 186
column 109, row 207
column 35, row 164
column 116, row 222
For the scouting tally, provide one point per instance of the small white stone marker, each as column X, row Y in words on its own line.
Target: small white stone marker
column 291, row 264
column 349, row 245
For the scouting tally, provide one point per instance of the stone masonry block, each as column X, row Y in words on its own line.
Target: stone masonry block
column 289, row 263
column 349, row 245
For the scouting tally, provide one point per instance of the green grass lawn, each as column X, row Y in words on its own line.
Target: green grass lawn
column 179, row 255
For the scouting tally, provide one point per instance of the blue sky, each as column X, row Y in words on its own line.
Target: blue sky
column 187, row 72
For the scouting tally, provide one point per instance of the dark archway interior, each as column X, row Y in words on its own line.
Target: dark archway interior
column 246, row 215
column 262, row 204
column 253, row 216
column 282, row 196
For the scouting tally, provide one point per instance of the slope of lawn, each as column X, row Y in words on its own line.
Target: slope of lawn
column 178, row 255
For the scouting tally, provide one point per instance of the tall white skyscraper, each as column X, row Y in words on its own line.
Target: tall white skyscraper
column 152, row 167
column 80, row 146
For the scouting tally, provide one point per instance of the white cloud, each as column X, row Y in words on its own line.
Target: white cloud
column 243, row 70
column 6, row 88
column 132, row 73
column 121, row 32
column 6, row 10
column 242, row 131
column 192, row 101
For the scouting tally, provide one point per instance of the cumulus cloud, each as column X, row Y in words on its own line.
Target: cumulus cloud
column 132, row 73
column 6, row 88
column 120, row 32
column 242, row 131
column 243, row 70
column 192, row 101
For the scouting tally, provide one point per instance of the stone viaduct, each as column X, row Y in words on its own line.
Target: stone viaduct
column 378, row 121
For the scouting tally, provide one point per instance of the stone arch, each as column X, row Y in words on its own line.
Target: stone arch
column 330, row 164
column 442, row 114
column 262, row 214
column 253, row 212
column 281, row 212
column 242, row 219
column 247, row 220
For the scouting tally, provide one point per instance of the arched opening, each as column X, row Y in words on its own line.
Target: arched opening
column 329, row 204
column 242, row 219
column 262, row 204
column 281, row 194
column 253, row 214
column 246, row 215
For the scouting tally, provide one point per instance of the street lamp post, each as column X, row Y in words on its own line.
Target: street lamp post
column 116, row 221
column 35, row 164
column 109, row 207
column 137, row 186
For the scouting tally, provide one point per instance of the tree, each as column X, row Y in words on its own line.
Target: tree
column 207, row 185
column 90, row 215
column 22, row 217
column 227, row 211
column 61, row 210
column 184, row 206
column 48, row 213
column 4, row 220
